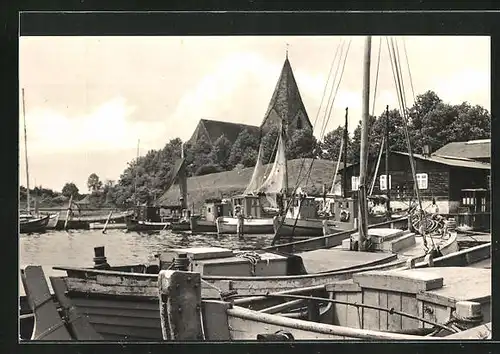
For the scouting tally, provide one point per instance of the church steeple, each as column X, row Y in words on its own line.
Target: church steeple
column 286, row 102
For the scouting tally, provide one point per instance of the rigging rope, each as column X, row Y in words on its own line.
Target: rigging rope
column 398, row 79
column 376, row 76
column 409, row 71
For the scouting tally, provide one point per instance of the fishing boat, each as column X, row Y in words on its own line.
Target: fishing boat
column 254, row 210
column 34, row 225
column 206, row 221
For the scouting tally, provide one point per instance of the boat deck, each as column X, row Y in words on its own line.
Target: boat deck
column 325, row 260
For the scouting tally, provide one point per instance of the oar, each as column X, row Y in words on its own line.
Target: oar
column 107, row 221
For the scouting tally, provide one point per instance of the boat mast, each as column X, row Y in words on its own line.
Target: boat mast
column 26, row 156
column 388, row 184
column 344, row 171
column 283, row 137
column 363, row 207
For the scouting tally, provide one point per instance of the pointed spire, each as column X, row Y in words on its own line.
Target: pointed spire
column 287, row 51
column 286, row 102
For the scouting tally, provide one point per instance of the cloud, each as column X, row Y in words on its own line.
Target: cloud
column 104, row 128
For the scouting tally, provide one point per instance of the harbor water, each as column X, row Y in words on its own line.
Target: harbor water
column 75, row 248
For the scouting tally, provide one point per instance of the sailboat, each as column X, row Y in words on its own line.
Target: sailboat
column 29, row 223
column 250, row 216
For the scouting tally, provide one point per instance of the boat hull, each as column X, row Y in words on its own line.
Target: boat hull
column 138, row 226
column 228, row 225
column 110, row 226
column 180, row 226
column 37, row 225
column 302, row 227
column 201, row 226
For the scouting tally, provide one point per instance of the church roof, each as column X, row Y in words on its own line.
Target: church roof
column 286, row 100
column 213, row 129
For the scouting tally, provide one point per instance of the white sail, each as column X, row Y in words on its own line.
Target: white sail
column 276, row 181
column 257, row 176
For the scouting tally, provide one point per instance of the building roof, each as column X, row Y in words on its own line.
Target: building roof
column 213, row 129
column 286, row 100
column 473, row 149
column 449, row 161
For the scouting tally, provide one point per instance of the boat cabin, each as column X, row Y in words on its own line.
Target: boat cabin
column 303, row 207
column 168, row 212
column 147, row 213
column 249, row 205
column 214, row 208
column 474, row 210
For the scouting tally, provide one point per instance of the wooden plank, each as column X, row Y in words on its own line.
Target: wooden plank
column 407, row 281
column 77, row 321
column 394, row 301
column 128, row 332
column 371, row 318
column 409, row 305
column 180, row 305
column 354, row 314
column 215, row 321
column 48, row 323
column 147, row 306
column 483, row 331
column 340, row 312
column 343, row 286
column 125, row 321
column 87, row 286
column 383, row 316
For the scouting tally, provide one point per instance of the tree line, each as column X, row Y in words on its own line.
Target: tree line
column 430, row 122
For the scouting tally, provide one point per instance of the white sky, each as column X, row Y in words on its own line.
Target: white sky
column 89, row 99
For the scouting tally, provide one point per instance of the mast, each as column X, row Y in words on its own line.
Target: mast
column 363, row 207
column 344, row 172
column 283, row 137
column 26, row 156
column 183, row 181
column 388, row 205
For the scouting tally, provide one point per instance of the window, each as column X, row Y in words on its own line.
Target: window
column 209, row 210
column 299, row 123
column 422, row 180
column 383, row 182
column 354, row 183
column 488, row 181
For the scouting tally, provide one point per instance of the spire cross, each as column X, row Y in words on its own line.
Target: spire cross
column 287, row 50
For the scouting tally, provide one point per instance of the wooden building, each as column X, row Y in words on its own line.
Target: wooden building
column 456, row 184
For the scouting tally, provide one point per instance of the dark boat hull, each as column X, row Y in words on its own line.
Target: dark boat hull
column 180, row 226
column 83, row 223
column 201, row 226
column 139, row 226
column 34, row 225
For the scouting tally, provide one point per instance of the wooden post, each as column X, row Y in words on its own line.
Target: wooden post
column 68, row 213
column 180, row 305
column 344, row 171
column 107, row 221
column 100, row 261
column 388, row 184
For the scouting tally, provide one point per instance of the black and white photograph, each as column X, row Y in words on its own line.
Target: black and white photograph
column 254, row 188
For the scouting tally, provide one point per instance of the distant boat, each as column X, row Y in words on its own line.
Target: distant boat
column 33, row 225
column 254, row 217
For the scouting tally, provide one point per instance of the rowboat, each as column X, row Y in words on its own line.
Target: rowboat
column 34, row 225
column 229, row 225
column 109, row 226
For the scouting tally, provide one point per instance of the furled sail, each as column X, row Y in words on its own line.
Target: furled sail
column 257, row 176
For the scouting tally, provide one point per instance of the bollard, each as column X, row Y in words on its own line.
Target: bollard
column 100, row 261
column 180, row 305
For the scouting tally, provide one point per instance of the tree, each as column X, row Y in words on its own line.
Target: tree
column 269, row 144
column 70, row 189
column 208, row 169
column 301, row 144
column 244, row 141
column 93, row 183
column 249, row 157
column 221, row 152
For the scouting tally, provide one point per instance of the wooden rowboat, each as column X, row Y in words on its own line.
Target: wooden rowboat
column 34, row 225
